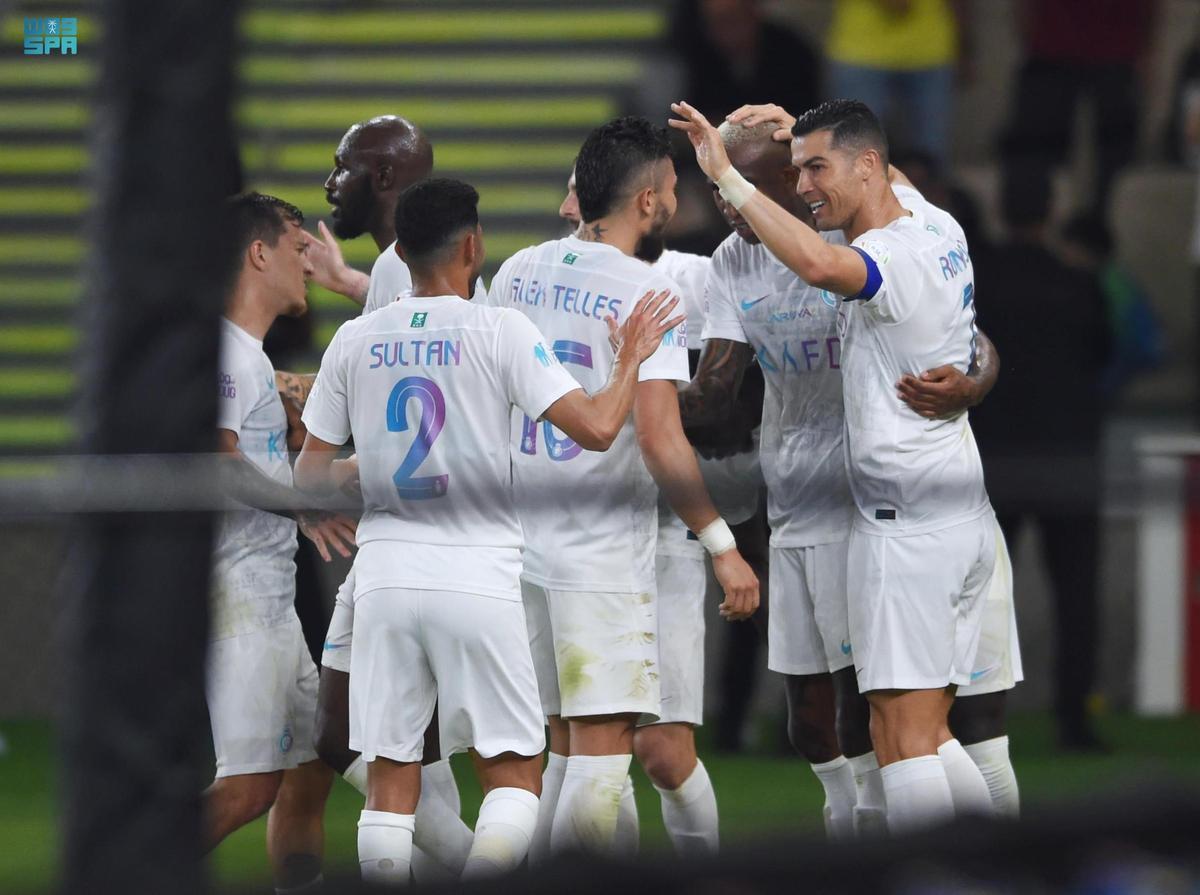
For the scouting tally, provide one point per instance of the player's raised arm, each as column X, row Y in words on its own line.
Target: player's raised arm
column 594, row 421
column 839, row 269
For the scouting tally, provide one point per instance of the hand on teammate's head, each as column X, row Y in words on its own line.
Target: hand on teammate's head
column 710, row 149
column 753, row 115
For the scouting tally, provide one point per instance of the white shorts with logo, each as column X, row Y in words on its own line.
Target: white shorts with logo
column 734, row 483
column 595, row 653
column 807, row 628
column 336, row 652
column 262, row 700
column 998, row 660
column 681, row 582
column 467, row 655
column 916, row 603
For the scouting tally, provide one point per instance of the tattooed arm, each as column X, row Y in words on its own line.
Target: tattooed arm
column 293, row 388
column 709, row 398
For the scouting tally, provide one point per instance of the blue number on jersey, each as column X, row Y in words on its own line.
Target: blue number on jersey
column 567, row 352
column 433, row 416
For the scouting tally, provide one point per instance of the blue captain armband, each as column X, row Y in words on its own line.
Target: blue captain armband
column 874, row 278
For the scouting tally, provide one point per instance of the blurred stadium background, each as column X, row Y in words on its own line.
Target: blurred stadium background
column 506, row 89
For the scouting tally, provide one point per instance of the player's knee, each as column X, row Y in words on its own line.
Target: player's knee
column 252, row 795
column 816, row 742
column 667, row 767
column 304, row 790
column 974, row 719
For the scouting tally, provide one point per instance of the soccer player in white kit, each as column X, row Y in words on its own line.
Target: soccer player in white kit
column 590, row 520
column 374, row 162
column 262, row 684
column 425, row 387
column 665, row 746
column 922, row 548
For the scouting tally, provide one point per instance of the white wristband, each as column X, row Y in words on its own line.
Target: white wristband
column 735, row 189
column 716, row 537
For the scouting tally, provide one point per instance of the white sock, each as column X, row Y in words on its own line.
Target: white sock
column 841, row 796
column 690, row 814
column 918, row 794
column 552, row 780
column 507, row 819
column 968, row 789
column 586, row 816
column 440, row 832
column 439, row 777
column 991, row 757
column 424, row 868
column 385, row 847
column 626, row 839
column 356, row 775
column 870, row 807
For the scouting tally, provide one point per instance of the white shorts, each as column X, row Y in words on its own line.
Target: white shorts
column 998, row 661
column 680, row 582
column 735, row 484
column 262, row 700
column 336, row 653
column 807, row 627
column 915, row 605
column 595, row 653
column 466, row 654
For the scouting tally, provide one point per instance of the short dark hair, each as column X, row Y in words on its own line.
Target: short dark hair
column 611, row 156
column 254, row 216
column 1026, row 193
column 431, row 213
column 853, row 124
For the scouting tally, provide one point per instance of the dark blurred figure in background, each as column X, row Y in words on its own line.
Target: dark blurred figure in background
column 900, row 57
column 1138, row 344
column 1077, row 50
column 1040, row 443
column 930, row 177
column 730, row 55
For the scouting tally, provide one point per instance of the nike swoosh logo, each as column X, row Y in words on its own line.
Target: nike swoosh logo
column 976, row 675
column 747, row 305
column 329, row 645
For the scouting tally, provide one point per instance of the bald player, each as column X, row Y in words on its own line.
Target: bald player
column 375, row 161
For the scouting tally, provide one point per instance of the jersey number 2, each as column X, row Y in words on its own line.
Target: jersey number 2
column 567, row 352
column 433, row 416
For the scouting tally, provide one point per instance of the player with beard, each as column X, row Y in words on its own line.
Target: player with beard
column 666, row 747
column 375, row 161
column 922, row 546
column 589, row 519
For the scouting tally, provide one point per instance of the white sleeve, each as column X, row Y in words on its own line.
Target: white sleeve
column 327, row 411
column 237, row 392
column 721, row 320
column 501, row 283
column 893, row 277
column 670, row 359
column 532, row 376
column 389, row 277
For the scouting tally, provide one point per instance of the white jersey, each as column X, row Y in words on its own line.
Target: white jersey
column 425, row 386
column 908, row 474
column 689, row 272
column 751, row 297
column 254, row 570
column 590, row 518
column 390, row 278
